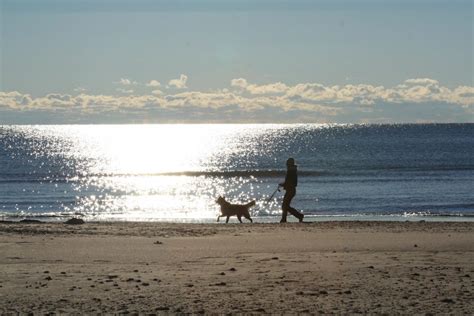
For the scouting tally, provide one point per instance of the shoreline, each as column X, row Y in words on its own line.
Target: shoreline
column 320, row 267
column 168, row 229
column 256, row 219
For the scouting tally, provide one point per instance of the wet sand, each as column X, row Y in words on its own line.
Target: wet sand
column 330, row 267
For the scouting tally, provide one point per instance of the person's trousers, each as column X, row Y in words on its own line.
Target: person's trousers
column 289, row 195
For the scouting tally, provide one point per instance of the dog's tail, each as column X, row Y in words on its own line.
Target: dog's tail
column 249, row 204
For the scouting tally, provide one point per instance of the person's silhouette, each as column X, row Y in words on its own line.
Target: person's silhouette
column 291, row 181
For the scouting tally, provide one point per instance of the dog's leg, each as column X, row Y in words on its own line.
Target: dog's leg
column 248, row 217
column 240, row 218
column 227, row 219
column 218, row 217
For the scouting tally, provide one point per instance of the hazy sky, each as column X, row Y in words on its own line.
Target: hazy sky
column 104, row 61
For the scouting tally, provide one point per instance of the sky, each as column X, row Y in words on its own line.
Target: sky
column 230, row 61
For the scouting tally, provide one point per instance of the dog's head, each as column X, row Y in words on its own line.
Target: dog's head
column 220, row 200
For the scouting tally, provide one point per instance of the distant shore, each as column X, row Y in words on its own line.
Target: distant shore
column 319, row 267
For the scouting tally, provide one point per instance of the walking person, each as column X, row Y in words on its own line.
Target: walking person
column 291, row 181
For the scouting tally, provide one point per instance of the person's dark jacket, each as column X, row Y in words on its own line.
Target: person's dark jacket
column 291, row 179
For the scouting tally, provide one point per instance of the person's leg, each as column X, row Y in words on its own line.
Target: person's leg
column 291, row 210
column 296, row 214
column 284, row 214
column 285, row 205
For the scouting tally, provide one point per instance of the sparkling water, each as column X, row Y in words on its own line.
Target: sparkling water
column 176, row 172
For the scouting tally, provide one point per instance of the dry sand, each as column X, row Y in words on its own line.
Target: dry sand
column 331, row 267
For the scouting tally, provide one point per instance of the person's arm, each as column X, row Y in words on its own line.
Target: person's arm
column 286, row 180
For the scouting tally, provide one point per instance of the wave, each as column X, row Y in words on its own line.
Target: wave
column 48, row 177
column 451, row 210
column 52, row 216
column 418, row 168
column 444, row 215
column 270, row 173
column 355, row 215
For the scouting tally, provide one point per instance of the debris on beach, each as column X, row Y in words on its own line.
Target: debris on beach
column 75, row 221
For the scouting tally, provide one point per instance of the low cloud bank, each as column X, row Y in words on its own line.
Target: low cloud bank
column 314, row 101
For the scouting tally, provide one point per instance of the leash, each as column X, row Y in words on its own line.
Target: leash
column 273, row 194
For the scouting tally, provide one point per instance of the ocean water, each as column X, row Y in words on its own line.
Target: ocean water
column 176, row 172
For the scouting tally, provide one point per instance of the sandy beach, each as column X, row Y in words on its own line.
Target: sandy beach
column 331, row 267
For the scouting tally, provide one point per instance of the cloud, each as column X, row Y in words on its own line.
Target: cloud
column 277, row 87
column 80, row 89
column 418, row 99
column 464, row 95
column 204, row 99
column 179, row 83
column 240, row 83
column 272, row 88
column 59, row 97
column 421, row 81
column 14, row 100
column 126, row 82
column 153, row 83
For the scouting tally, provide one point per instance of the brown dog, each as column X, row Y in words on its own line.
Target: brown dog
column 229, row 210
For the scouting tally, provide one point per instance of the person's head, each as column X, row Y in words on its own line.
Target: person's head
column 290, row 162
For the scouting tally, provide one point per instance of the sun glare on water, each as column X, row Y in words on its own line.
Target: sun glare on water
column 143, row 172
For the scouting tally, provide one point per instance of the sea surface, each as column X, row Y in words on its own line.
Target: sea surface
column 176, row 172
